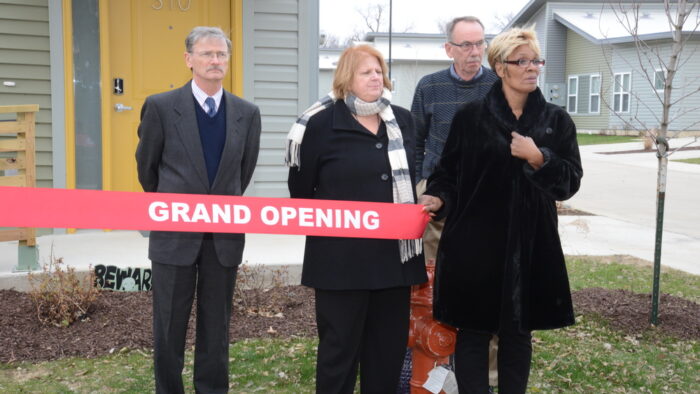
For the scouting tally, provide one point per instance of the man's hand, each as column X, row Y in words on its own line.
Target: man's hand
column 524, row 148
column 431, row 204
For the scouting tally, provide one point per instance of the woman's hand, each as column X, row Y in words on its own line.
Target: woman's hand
column 431, row 204
column 524, row 148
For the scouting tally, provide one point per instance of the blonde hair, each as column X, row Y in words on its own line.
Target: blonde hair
column 347, row 65
column 505, row 43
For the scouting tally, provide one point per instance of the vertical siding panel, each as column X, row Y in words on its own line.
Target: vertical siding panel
column 24, row 60
column 275, row 81
column 555, row 44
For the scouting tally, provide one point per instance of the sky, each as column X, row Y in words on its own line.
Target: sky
column 342, row 17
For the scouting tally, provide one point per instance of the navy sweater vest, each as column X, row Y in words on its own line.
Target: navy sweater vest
column 212, row 133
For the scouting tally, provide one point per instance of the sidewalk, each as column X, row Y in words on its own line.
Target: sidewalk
column 619, row 189
column 88, row 248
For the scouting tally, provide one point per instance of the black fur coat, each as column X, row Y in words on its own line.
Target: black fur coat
column 500, row 238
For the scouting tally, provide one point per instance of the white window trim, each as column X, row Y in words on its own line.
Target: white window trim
column 569, row 95
column 622, row 92
column 591, row 93
column 656, row 71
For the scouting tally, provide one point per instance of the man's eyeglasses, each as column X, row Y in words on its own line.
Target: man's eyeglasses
column 524, row 62
column 211, row 55
column 467, row 46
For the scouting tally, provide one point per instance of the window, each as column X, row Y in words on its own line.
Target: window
column 659, row 80
column 621, row 92
column 594, row 106
column 572, row 95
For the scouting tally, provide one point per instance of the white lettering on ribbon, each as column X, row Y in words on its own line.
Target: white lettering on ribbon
column 241, row 214
column 158, row 211
column 265, row 215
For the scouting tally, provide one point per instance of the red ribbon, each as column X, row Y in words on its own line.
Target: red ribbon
column 68, row 208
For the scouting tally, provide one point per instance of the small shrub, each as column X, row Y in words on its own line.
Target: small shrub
column 253, row 289
column 60, row 296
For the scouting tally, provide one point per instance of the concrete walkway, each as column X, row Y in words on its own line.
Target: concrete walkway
column 619, row 189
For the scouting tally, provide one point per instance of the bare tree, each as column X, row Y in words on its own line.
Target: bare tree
column 683, row 20
column 442, row 24
column 375, row 16
column 501, row 20
column 330, row 41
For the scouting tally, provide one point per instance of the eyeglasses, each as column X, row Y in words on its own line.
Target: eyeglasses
column 524, row 62
column 212, row 55
column 467, row 46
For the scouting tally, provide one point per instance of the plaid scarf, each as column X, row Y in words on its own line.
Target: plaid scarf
column 401, row 178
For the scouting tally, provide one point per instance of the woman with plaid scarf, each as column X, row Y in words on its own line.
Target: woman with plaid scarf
column 354, row 145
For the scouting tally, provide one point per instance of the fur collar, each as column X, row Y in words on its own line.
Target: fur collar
column 497, row 105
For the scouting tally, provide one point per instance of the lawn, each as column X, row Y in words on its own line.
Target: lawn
column 589, row 357
column 596, row 139
column 695, row 160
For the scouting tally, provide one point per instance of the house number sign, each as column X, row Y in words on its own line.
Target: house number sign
column 181, row 4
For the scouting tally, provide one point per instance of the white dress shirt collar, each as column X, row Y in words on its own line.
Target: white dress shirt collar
column 200, row 96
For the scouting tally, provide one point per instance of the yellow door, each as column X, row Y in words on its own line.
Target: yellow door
column 145, row 56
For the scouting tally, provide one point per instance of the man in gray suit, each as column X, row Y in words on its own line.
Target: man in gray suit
column 197, row 139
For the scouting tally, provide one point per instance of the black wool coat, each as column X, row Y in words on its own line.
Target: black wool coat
column 500, row 237
column 341, row 160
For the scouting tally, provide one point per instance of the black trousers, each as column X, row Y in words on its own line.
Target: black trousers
column 361, row 328
column 472, row 361
column 173, row 293
column 514, row 356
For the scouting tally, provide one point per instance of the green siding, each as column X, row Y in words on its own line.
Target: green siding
column 24, row 60
column 26, row 43
column 24, row 13
column 584, row 58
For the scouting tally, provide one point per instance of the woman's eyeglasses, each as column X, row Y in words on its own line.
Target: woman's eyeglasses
column 524, row 62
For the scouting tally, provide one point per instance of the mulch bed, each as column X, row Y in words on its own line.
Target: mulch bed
column 123, row 320
column 629, row 312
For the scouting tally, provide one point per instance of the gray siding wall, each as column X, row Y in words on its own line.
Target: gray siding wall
column 556, row 36
column 24, row 60
column 583, row 58
column 645, row 105
column 277, row 77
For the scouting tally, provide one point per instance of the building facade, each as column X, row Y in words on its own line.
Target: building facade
column 89, row 64
column 594, row 68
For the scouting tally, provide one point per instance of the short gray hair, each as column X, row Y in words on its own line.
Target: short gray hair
column 201, row 32
column 451, row 25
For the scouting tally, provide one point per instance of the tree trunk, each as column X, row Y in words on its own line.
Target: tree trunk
column 662, row 149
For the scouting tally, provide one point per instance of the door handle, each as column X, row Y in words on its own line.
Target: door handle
column 119, row 107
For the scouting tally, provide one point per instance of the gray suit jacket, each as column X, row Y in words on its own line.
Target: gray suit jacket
column 170, row 159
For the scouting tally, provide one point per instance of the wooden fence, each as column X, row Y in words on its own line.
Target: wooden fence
column 18, row 166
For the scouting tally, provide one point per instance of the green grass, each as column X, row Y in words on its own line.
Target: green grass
column 264, row 366
column 600, row 272
column 589, row 357
column 695, row 160
column 595, row 139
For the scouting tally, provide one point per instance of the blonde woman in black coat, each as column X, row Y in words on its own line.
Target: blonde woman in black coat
column 500, row 266
column 354, row 145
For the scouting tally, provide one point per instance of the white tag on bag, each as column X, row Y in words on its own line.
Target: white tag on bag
column 436, row 379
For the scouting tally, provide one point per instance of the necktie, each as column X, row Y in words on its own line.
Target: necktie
column 209, row 101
